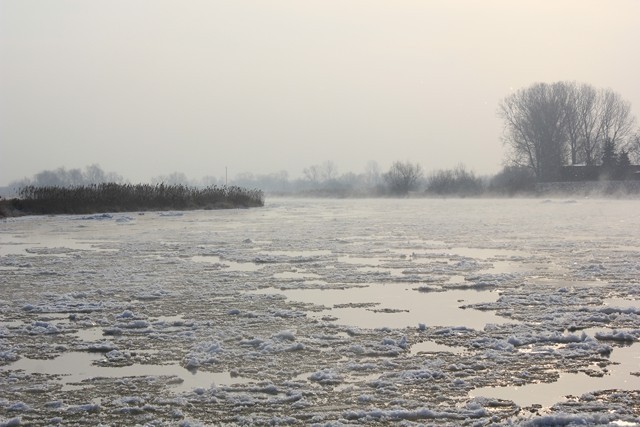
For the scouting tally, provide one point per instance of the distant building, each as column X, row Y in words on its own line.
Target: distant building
column 577, row 173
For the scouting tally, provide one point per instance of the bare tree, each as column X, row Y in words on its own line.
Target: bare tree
column 547, row 123
column 174, row 178
column 581, row 101
column 372, row 173
column 94, row 174
column 75, row 177
column 210, row 180
column 588, row 130
column 403, row 177
column 633, row 146
column 312, row 174
column 458, row 181
column 329, row 171
column 535, row 129
column 572, row 122
column 601, row 116
column 48, row 178
column 319, row 174
column 62, row 177
column 616, row 119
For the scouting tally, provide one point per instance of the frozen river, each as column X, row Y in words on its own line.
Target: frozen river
column 325, row 312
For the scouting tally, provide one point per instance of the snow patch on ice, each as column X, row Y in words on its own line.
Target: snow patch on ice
column 621, row 336
column 202, row 354
column 381, row 415
column 42, row 328
column 96, row 217
column 570, row 419
column 326, row 376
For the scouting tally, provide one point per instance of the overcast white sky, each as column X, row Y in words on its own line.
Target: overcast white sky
column 149, row 87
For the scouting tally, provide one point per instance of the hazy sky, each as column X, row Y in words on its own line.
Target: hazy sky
column 149, row 87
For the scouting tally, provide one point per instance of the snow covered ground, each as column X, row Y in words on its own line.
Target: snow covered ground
column 327, row 312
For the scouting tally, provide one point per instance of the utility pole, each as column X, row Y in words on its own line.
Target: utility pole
column 226, row 180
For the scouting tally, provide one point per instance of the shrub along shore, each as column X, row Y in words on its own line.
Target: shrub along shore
column 110, row 197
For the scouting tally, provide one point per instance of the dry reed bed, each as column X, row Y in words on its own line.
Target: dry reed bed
column 111, row 197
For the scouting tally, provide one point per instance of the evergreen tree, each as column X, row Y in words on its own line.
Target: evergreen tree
column 609, row 157
column 609, row 167
column 624, row 164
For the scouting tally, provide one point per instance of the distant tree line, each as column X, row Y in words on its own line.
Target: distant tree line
column 62, row 177
column 550, row 126
column 539, row 135
column 94, row 174
column 401, row 179
column 321, row 180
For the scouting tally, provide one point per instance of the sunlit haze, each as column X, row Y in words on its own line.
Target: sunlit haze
column 150, row 87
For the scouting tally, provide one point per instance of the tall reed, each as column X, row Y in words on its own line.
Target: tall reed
column 111, row 197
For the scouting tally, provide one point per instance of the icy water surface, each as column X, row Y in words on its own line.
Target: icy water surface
column 305, row 312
